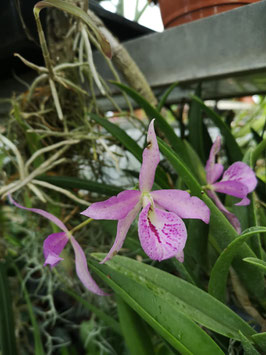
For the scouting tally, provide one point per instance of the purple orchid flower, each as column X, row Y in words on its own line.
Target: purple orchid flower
column 238, row 180
column 55, row 243
column 162, row 233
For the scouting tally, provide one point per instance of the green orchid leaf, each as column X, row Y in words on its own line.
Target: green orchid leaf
column 186, row 298
column 77, row 183
column 260, row 340
column 165, row 96
column 258, row 262
column 108, row 320
column 195, row 127
column 161, row 123
column 183, row 271
column 247, row 215
column 196, row 259
column 185, row 151
column 198, row 169
column 131, row 146
column 119, row 134
column 233, row 149
column 7, row 327
column 224, row 233
column 38, row 346
column 257, row 151
column 134, row 330
column 219, row 273
column 247, row 345
column 137, row 284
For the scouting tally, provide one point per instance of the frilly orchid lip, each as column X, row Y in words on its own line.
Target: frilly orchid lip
column 55, row 243
column 238, row 180
column 162, row 232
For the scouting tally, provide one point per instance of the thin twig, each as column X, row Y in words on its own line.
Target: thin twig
column 31, row 65
column 56, row 100
column 90, row 60
column 61, row 190
column 14, row 149
column 37, row 192
column 48, row 149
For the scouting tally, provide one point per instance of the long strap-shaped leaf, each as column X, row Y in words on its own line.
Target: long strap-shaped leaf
column 161, row 123
column 38, row 346
column 248, row 346
column 196, row 127
column 225, row 233
column 108, row 320
column 119, row 134
column 234, row 151
column 260, row 339
column 219, row 273
column 77, row 183
column 181, row 147
column 258, row 262
column 189, row 299
column 7, row 329
column 152, row 304
column 165, row 96
column 131, row 146
column 134, row 330
column 258, row 150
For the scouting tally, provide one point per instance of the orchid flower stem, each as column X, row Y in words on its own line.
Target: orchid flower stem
column 81, row 225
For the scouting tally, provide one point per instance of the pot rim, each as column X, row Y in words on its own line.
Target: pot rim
column 199, row 6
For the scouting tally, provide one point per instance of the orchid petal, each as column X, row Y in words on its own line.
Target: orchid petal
column 244, row 202
column 230, row 216
column 122, row 229
column 116, row 207
column 217, row 171
column 52, row 260
column 162, row 234
column 181, row 203
column 52, row 247
column 214, row 171
column 241, row 172
column 233, row 188
column 150, row 160
column 82, row 269
column 43, row 213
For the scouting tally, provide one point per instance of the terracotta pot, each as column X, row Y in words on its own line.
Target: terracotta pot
column 177, row 12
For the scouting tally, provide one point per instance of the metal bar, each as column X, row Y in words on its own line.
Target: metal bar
column 226, row 52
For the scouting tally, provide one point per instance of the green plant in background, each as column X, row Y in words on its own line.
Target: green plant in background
column 59, row 159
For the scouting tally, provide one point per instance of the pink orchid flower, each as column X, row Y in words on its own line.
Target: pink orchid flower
column 55, row 243
column 238, row 180
column 162, row 233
